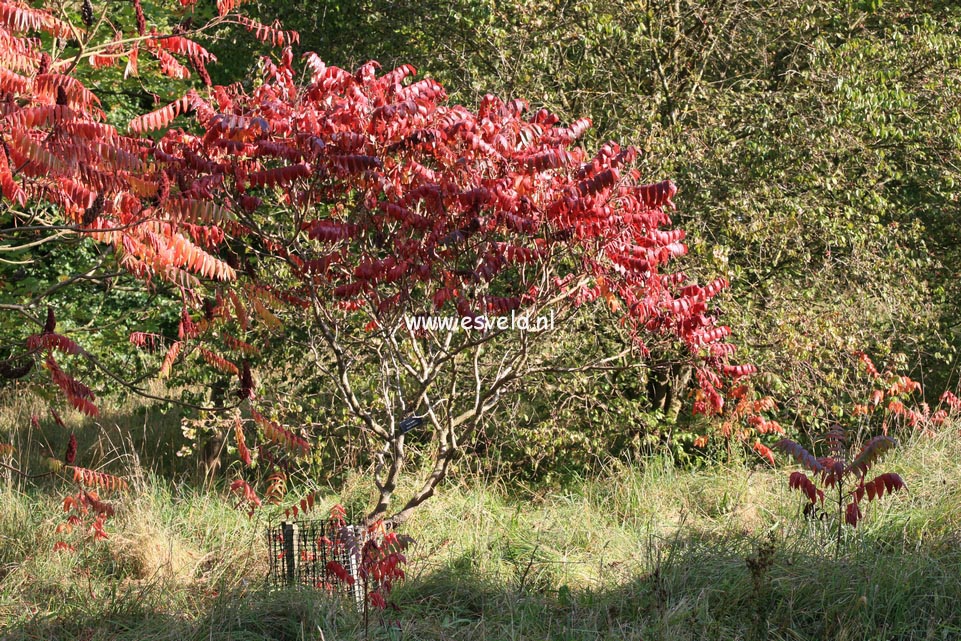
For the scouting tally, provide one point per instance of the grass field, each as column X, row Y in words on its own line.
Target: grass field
column 642, row 552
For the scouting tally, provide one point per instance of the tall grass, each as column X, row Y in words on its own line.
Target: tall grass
column 644, row 551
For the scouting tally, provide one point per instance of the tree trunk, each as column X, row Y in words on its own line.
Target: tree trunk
column 665, row 388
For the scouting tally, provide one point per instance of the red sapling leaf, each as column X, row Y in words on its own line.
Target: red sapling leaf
column 339, row 571
column 888, row 482
column 800, row 481
column 873, row 450
column 799, row 454
column 852, row 514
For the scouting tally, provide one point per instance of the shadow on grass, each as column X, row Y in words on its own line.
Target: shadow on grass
column 694, row 588
column 285, row 615
column 704, row 588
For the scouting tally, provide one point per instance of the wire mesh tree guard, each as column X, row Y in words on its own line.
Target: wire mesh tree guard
column 311, row 553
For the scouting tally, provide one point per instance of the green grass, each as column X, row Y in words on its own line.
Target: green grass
column 643, row 552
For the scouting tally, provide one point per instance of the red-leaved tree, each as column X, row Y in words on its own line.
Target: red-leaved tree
column 365, row 210
column 66, row 174
column 344, row 211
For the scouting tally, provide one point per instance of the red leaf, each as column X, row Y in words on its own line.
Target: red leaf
column 242, row 450
column 93, row 478
column 246, row 493
column 872, row 451
column 218, row 362
column 339, row 571
column 169, row 359
column 737, row 371
column 10, row 187
column 889, row 482
column 185, row 47
column 764, row 451
column 799, row 454
column 52, row 341
column 271, row 35
column 800, row 481
column 278, row 175
column 852, row 514
column 160, row 118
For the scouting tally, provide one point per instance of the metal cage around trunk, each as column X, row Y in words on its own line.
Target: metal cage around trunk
column 301, row 551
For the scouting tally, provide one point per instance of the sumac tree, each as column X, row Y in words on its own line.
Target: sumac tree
column 364, row 212
column 81, row 193
column 344, row 213
column 843, row 474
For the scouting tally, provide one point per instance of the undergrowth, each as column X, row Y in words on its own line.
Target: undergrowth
column 646, row 551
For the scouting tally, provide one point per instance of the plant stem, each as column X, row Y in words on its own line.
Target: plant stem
column 837, row 547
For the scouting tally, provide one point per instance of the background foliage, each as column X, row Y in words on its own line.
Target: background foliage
column 816, row 145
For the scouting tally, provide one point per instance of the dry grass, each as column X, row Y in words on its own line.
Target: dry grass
column 644, row 551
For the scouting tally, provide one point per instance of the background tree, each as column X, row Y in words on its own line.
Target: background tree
column 815, row 142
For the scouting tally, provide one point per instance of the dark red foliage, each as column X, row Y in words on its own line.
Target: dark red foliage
column 51, row 323
column 379, row 555
column 800, row 481
column 846, row 479
column 71, row 454
column 435, row 198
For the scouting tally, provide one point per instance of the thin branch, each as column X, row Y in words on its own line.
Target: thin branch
column 11, row 248
column 24, row 474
